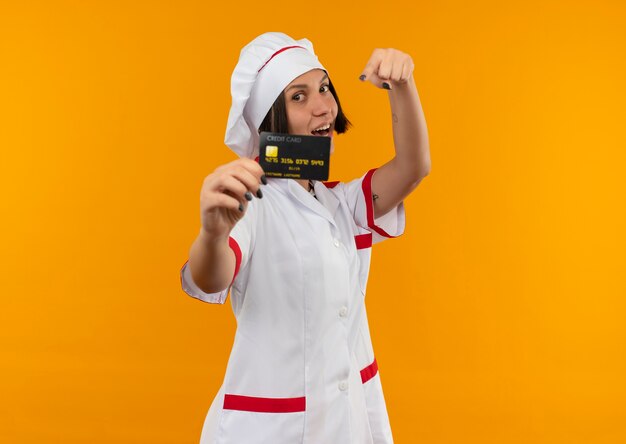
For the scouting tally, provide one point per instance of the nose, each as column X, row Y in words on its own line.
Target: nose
column 320, row 105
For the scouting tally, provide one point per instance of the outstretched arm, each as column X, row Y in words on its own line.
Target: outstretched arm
column 223, row 200
column 393, row 70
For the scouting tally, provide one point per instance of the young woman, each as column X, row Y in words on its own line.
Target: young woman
column 295, row 254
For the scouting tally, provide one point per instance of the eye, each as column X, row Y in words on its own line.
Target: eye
column 297, row 97
column 324, row 88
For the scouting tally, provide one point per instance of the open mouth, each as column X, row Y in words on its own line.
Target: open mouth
column 323, row 130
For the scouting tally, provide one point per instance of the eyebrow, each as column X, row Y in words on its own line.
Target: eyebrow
column 306, row 86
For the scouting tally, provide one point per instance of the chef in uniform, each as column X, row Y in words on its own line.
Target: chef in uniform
column 295, row 258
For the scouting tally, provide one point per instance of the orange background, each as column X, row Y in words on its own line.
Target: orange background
column 499, row 317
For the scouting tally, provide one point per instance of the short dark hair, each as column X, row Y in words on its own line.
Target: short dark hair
column 275, row 120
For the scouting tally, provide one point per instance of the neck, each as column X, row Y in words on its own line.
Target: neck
column 304, row 183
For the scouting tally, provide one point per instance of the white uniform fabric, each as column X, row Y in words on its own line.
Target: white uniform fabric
column 302, row 368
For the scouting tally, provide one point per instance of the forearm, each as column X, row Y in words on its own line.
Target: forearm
column 211, row 262
column 396, row 179
column 410, row 133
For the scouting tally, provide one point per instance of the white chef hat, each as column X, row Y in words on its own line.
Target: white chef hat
column 266, row 66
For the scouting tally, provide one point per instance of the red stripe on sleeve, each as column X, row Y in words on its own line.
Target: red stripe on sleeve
column 369, row 372
column 363, row 241
column 331, row 184
column 264, row 405
column 369, row 204
column 232, row 243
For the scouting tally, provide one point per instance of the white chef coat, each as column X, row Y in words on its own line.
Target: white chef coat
column 302, row 367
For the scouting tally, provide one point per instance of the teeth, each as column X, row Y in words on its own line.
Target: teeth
column 322, row 128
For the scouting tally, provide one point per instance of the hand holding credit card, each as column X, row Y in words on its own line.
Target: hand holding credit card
column 291, row 156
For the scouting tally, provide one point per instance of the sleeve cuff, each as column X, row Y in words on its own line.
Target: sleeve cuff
column 388, row 225
column 190, row 287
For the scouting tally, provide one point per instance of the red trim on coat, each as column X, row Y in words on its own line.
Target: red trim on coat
column 363, row 241
column 369, row 204
column 264, row 405
column 331, row 184
column 276, row 53
column 232, row 243
column 369, row 372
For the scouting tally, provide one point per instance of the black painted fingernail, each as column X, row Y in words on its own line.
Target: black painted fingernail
column 386, row 85
column 362, row 77
column 264, row 179
column 259, row 193
column 240, row 207
column 248, row 195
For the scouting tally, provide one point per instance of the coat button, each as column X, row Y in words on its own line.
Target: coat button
column 336, row 243
column 343, row 312
column 343, row 386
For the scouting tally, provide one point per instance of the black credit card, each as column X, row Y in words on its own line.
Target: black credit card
column 292, row 156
